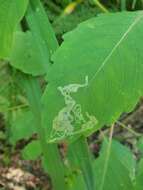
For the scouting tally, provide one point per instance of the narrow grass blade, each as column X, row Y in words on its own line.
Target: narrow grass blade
column 80, row 157
column 40, row 27
column 123, row 5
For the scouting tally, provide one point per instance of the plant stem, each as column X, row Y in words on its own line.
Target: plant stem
column 41, row 29
column 16, row 107
column 123, row 5
column 53, row 7
column 34, row 17
column 134, row 4
column 105, row 166
column 82, row 158
column 102, row 7
column 50, row 152
column 129, row 129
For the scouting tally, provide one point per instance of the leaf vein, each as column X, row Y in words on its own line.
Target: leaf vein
column 137, row 19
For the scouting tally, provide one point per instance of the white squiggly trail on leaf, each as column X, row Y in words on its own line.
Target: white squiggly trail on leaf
column 70, row 116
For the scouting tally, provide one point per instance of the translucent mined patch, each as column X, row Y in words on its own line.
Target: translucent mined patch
column 66, row 122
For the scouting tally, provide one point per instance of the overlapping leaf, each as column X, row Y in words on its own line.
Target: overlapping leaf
column 117, row 172
column 22, row 126
column 11, row 12
column 108, row 50
column 32, row 50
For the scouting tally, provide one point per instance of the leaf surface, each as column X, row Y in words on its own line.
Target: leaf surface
column 108, row 50
column 139, row 176
column 120, row 167
column 26, row 55
column 32, row 50
column 22, row 126
column 11, row 12
column 32, row 151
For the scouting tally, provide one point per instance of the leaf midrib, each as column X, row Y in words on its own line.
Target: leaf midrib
column 123, row 37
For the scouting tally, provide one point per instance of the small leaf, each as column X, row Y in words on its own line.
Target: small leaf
column 11, row 12
column 32, row 151
column 120, row 168
column 22, row 126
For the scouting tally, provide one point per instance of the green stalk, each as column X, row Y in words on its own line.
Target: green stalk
column 51, row 155
column 123, row 5
column 102, row 7
column 38, row 23
column 79, row 155
column 40, row 27
column 134, row 4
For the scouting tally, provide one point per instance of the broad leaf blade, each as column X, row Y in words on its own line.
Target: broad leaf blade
column 108, row 50
column 11, row 12
column 120, row 168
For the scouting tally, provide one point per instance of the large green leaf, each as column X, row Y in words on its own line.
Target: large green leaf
column 11, row 12
column 104, row 54
column 115, row 168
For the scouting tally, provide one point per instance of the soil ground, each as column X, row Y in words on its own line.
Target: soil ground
column 17, row 174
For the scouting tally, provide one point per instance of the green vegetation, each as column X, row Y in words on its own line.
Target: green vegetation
column 63, row 90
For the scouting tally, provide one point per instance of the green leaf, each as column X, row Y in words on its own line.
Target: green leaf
column 32, row 151
column 139, row 176
column 26, row 55
column 108, row 51
column 11, row 12
column 22, row 126
column 41, row 29
column 32, row 50
column 120, row 168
